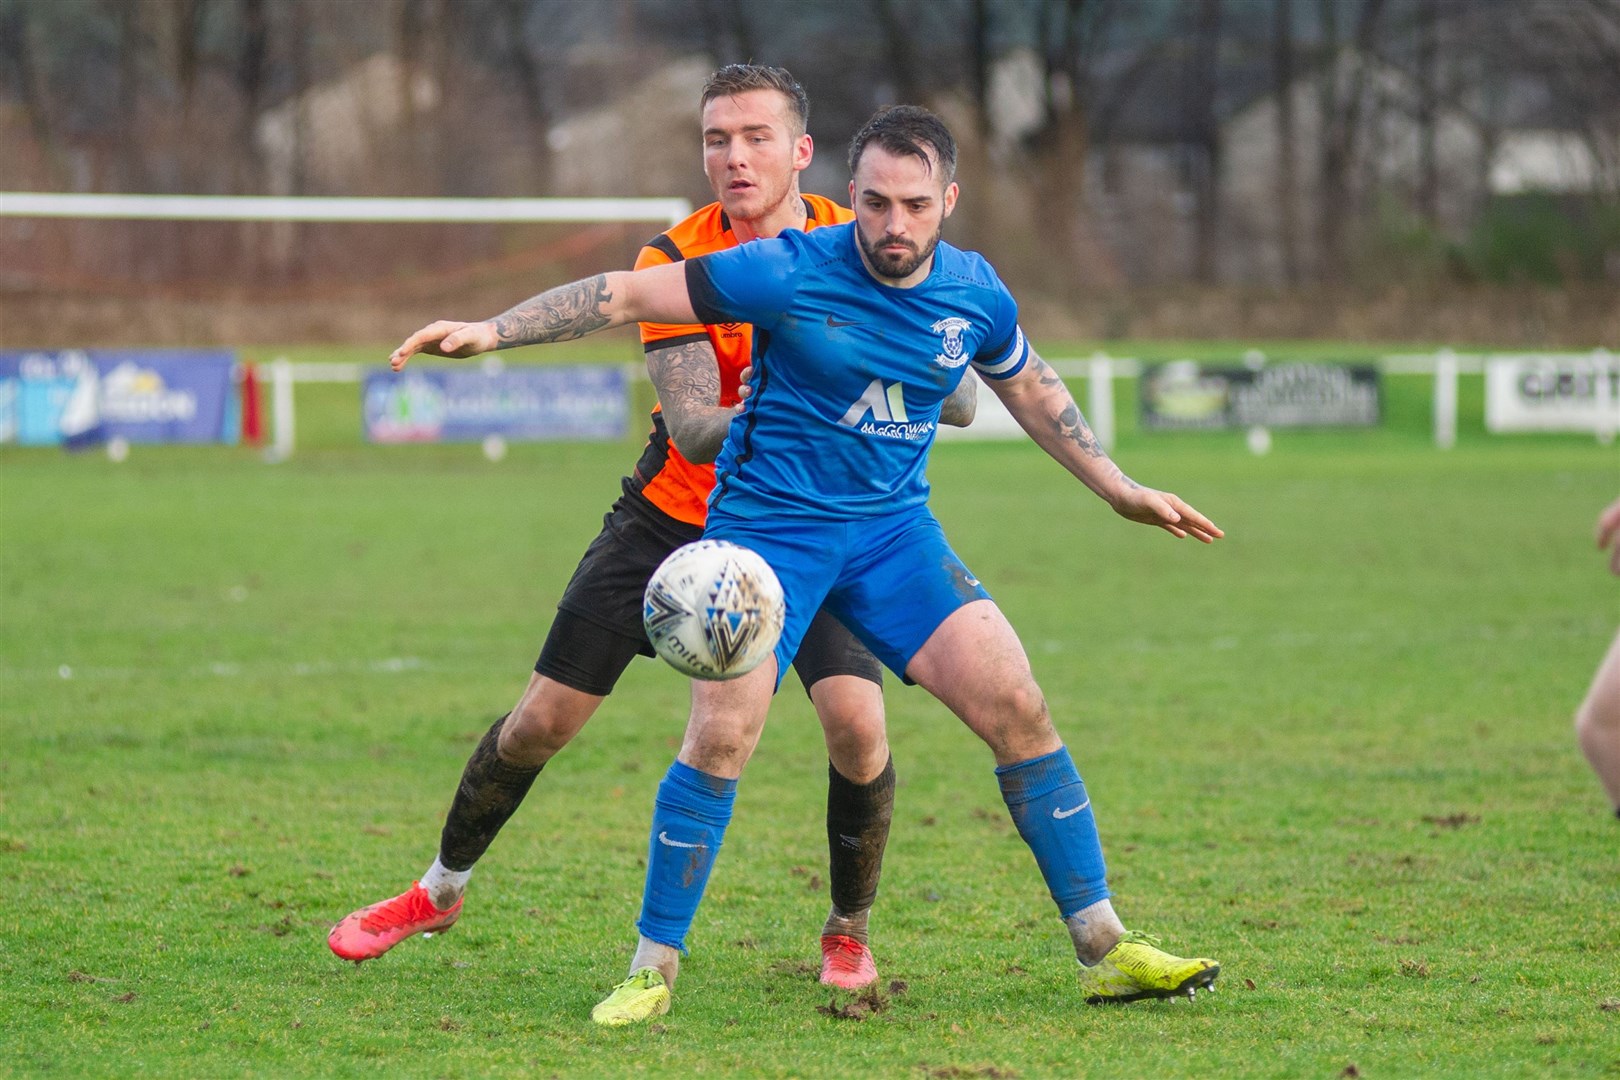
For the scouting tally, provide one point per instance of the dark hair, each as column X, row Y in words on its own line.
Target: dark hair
column 741, row 78
column 908, row 129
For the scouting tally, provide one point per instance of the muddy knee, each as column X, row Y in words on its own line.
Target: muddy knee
column 1017, row 725
column 534, row 733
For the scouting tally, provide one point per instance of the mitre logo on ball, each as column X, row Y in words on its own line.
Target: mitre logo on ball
column 713, row 610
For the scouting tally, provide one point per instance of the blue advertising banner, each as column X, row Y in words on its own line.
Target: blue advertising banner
column 470, row 404
column 171, row 396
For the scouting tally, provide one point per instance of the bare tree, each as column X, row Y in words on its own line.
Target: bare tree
column 1428, row 108
column 1575, row 48
column 977, row 40
column 899, row 48
column 128, row 172
column 1287, row 161
column 1343, row 97
column 20, row 50
column 252, row 72
column 186, row 22
column 1206, row 124
column 728, row 31
column 525, row 61
column 1071, row 36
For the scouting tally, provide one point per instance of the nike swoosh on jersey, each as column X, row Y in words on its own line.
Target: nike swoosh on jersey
column 836, row 323
column 1059, row 814
column 663, row 838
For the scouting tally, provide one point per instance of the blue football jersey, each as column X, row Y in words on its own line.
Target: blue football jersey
column 849, row 373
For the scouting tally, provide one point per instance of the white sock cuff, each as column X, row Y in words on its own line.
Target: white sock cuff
column 439, row 877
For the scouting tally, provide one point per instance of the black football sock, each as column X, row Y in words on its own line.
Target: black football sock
column 490, row 792
column 858, row 817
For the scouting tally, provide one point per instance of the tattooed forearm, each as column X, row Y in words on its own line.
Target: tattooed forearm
column 560, row 314
column 687, row 378
column 1040, row 401
column 1071, row 425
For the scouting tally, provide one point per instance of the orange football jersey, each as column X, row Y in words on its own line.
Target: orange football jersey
column 676, row 486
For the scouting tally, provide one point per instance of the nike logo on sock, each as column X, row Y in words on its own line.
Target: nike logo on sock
column 1061, row 814
column 663, row 838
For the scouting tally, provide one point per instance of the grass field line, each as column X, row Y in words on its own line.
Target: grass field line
column 1282, row 640
column 389, row 665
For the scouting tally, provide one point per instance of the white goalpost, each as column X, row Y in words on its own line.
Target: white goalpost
column 337, row 209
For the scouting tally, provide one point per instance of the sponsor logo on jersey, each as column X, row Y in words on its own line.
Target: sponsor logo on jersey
column 881, row 411
column 955, row 354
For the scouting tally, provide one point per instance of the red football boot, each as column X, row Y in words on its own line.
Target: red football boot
column 846, row 963
column 372, row 931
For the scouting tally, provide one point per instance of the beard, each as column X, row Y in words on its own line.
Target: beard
column 895, row 265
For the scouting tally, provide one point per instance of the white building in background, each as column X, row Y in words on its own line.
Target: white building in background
column 337, row 134
column 1560, row 162
column 644, row 141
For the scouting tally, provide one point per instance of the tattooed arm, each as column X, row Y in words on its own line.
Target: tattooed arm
column 1043, row 407
column 657, row 294
column 958, row 409
column 687, row 378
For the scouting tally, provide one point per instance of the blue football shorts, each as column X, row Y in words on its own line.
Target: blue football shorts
column 891, row 579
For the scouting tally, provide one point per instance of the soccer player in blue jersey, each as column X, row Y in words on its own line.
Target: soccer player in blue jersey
column 861, row 331
column 755, row 145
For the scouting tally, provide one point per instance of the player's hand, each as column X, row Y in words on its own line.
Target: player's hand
column 743, row 389
column 445, row 338
column 1608, row 534
column 1167, row 512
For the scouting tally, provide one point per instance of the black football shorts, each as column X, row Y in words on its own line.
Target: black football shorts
column 598, row 631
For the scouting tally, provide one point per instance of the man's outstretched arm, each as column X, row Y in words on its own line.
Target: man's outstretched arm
column 1043, row 407
column 656, row 294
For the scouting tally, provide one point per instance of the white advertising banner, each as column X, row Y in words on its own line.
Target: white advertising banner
column 1553, row 392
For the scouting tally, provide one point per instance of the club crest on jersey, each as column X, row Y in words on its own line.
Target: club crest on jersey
column 955, row 354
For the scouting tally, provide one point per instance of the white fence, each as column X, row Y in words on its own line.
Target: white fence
column 1100, row 370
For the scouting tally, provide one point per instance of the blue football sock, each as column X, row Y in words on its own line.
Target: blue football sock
column 690, row 817
column 1049, row 805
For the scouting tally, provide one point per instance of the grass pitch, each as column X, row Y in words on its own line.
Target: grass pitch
column 1332, row 751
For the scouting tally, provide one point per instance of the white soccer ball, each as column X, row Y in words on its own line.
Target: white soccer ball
column 713, row 610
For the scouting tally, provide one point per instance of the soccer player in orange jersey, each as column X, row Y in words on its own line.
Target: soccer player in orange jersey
column 755, row 145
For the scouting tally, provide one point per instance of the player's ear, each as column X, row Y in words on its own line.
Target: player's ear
column 951, row 193
column 804, row 148
column 852, row 193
